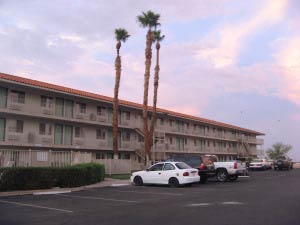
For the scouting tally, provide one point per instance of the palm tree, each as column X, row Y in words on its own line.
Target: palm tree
column 157, row 37
column 147, row 20
column 277, row 150
column 121, row 35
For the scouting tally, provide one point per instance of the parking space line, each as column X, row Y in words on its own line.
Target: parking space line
column 146, row 192
column 36, row 206
column 231, row 203
column 214, row 203
column 200, row 204
column 97, row 198
column 283, row 175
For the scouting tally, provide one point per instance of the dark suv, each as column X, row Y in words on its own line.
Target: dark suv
column 283, row 162
column 204, row 165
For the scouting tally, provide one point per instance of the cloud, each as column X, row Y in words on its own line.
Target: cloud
column 287, row 57
column 222, row 47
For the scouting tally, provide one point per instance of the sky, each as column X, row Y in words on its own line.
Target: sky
column 232, row 61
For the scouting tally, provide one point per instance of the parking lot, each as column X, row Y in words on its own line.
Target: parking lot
column 267, row 197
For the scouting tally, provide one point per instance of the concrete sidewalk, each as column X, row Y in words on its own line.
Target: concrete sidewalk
column 106, row 183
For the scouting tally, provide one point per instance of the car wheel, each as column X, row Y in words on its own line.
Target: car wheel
column 173, row 182
column 222, row 175
column 233, row 177
column 138, row 181
column 203, row 178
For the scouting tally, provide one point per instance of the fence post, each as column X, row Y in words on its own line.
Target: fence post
column 30, row 157
column 50, row 158
column 71, row 159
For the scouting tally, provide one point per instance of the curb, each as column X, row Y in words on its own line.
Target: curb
column 105, row 183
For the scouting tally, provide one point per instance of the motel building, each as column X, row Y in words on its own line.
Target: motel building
column 44, row 124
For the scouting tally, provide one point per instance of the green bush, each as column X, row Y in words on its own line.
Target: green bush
column 23, row 178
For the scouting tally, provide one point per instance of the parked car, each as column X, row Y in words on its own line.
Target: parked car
column 208, row 166
column 230, row 170
column 283, row 162
column 172, row 173
column 261, row 164
column 204, row 164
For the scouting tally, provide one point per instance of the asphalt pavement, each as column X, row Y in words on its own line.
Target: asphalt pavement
column 267, row 197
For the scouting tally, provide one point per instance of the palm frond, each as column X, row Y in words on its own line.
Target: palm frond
column 156, row 36
column 149, row 19
column 121, row 34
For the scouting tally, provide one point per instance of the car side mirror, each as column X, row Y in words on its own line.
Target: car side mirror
column 147, row 170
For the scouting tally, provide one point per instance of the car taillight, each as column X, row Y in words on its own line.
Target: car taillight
column 235, row 165
column 185, row 174
column 202, row 166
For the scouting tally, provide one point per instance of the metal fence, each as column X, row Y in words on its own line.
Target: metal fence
column 36, row 158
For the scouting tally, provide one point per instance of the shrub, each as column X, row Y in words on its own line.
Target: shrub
column 23, row 178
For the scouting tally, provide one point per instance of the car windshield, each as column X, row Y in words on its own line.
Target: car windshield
column 182, row 165
column 193, row 161
column 257, row 160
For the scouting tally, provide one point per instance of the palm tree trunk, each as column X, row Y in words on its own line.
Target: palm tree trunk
column 116, row 104
column 148, row 55
column 156, row 79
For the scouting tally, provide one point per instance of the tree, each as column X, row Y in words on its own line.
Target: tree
column 157, row 37
column 277, row 150
column 147, row 20
column 121, row 35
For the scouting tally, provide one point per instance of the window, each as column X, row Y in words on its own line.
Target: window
column 100, row 155
column 171, row 123
column 81, row 107
column 161, row 121
column 140, row 138
column 100, row 134
column 185, row 141
column 195, row 142
column 46, row 101
column 195, row 127
column 169, row 166
column 42, row 129
column 110, row 155
column 127, row 115
column 214, row 143
column 171, row 140
column 126, row 136
column 187, row 126
column 18, row 96
column 101, row 111
column 182, row 166
column 156, row 167
column 78, row 132
column 19, row 126
column 42, row 156
column 208, row 143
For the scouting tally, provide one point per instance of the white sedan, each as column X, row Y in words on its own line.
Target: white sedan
column 171, row 173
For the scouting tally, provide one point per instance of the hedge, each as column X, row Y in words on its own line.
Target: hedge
column 28, row 178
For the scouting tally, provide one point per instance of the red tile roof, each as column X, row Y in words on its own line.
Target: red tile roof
column 41, row 84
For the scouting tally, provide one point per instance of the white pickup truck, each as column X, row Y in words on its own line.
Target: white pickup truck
column 230, row 170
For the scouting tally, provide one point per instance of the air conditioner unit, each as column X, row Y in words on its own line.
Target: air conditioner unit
column 92, row 117
column 13, row 137
column 102, row 144
column 30, row 137
column 47, row 140
column 101, row 119
column 15, row 107
column 126, row 145
column 78, row 142
column 47, row 112
column 125, row 123
column 79, row 116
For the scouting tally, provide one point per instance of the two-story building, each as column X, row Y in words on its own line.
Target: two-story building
column 38, row 118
